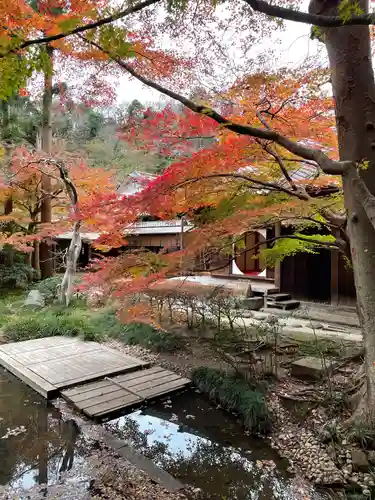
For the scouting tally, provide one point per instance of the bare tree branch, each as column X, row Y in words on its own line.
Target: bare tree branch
column 326, row 164
column 257, row 182
column 83, row 28
column 307, row 18
column 280, row 161
column 333, row 217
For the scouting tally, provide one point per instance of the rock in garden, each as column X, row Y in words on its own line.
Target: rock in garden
column 315, row 325
column 34, row 300
column 246, row 314
column 253, row 303
column 359, row 460
column 311, row 367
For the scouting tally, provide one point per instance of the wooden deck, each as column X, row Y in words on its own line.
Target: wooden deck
column 97, row 380
column 54, row 363
column 101, row 398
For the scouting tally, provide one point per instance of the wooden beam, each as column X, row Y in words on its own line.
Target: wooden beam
column 277, row 275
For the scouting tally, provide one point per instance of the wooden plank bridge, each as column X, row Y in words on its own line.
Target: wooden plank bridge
column 97, row 380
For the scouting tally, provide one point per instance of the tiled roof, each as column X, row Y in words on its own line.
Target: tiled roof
column 150, row 227
column 159, row 227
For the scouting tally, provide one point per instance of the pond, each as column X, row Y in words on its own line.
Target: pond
column 36, row 445
column 207, row 448
column 197, row 442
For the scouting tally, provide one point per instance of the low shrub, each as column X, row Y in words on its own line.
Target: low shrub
column 49, row 288
column 148, row 336
column 363, row 433
column 15, row 276
column 107, row 322
column 52, row 323
column 355, row 495
column 234, row 394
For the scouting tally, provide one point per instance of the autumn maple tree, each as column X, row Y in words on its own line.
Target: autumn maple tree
column 343, row 27
column 271, row 130
column 23, row 184
column 33, row 41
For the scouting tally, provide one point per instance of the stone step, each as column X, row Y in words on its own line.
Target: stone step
column 253, row 303
column 263, row 292
column 279, row 297
column 283, row 304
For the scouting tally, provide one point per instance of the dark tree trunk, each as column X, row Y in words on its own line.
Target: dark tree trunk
column 354, row 93
column 46, row 253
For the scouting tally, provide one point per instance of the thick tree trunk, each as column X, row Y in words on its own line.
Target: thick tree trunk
column 46, row 253
column 354, row 92
column 8, row 204
column 36, row 260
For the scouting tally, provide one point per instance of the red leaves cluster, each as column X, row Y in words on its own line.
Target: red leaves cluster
column 169, row 131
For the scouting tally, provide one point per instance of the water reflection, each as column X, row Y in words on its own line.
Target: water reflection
column 36, row 446
column 207, row 448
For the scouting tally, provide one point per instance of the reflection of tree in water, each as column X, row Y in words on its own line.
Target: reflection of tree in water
column 222, row 472
column 129, row 431
column 45, row 447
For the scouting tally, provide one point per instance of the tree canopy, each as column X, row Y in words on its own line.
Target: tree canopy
column 249, row 144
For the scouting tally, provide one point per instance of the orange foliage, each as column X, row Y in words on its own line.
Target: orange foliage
column 235, row 178
column 22, row 183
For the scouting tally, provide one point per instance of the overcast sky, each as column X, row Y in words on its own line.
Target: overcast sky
column 295, row 46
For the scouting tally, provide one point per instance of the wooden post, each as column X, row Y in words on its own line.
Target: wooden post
column 277, row 276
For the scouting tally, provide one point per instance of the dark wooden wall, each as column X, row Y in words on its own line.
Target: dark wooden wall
column 346, row 286
column 307, row 276
column 323, row 277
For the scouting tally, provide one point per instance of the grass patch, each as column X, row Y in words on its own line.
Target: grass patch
column 363, row 433
column 78, row 321
column 18, row 323
column 52, row 322
column 149, row 337
column 234, row 394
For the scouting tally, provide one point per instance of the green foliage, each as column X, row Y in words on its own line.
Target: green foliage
column 287, row 247
column 47, row 323
column 348, row 9
column 15, row 70
column 14, row 271
column 149, row 337
column 49, row 288
column 363, row 433
column 69, row 24
column 364, row 165
column 20, row 120
column 355, row 496
column 16, row 275
column 174, row 5
column 113, row 39
column 235, row 394
column 316, row 33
